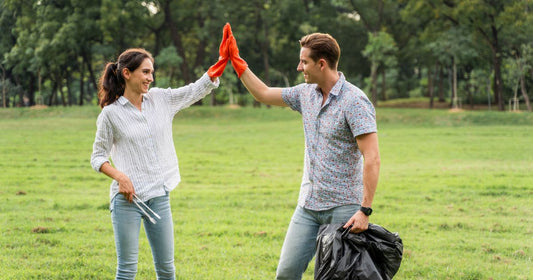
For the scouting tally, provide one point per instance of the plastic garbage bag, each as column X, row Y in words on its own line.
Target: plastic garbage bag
column 373, row 254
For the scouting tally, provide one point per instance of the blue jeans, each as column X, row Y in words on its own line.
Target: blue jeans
column 126, row 219
column 300, row 242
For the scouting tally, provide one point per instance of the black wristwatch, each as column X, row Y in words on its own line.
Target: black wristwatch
column 366, row 210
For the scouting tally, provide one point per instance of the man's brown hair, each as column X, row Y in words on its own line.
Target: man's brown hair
column 324, row 46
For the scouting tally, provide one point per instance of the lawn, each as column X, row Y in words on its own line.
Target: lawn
column 456, row 186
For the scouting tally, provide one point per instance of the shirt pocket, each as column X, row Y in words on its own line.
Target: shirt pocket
column 334, row 128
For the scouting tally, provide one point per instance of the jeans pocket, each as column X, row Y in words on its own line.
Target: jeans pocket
column 112, row 204
column 342, row 214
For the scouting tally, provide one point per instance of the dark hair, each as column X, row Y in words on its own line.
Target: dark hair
column 324, row 46
column 111, row 84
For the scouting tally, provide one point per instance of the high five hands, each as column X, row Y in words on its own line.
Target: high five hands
column 217, row 69
column 228, row 51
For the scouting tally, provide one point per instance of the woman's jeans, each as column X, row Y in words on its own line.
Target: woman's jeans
column 126, row 219
column 300, row 242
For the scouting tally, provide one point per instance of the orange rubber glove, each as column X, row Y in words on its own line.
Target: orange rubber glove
column 217, row 69
column 238, row 63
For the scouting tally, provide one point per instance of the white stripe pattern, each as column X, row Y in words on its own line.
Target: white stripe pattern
column 140, row 143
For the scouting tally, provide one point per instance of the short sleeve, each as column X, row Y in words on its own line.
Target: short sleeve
column 361, row 116
column 292, row 97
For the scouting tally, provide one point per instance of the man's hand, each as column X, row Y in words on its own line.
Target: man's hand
column 218, row 68
column 238, row 63
column 359, row 222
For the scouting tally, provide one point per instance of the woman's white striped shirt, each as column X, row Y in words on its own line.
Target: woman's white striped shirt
column 140, row 143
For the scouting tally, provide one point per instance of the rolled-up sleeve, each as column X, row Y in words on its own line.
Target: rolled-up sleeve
column 103, row 142
column 183, row 97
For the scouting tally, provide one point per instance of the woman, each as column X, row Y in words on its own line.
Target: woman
column 134, row 129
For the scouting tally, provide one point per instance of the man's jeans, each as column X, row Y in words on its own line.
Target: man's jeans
column 300, row 242
column 126, row 219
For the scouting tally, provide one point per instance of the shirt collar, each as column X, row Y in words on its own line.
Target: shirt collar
column 337, row 87
column 123, row 100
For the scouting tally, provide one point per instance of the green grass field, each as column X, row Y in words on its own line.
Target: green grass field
column 458, row 187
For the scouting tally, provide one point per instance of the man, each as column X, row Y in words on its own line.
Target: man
column 341, row 165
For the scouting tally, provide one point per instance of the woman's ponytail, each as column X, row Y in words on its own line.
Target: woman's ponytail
column 111, row 86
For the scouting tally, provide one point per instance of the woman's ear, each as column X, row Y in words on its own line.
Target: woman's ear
column 126, row 73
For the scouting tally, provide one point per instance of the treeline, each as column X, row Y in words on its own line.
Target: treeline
column 456, row 51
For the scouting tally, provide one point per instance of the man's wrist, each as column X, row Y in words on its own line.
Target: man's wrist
column 366, row 210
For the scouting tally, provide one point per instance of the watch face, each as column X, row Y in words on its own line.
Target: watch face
column 366, row 210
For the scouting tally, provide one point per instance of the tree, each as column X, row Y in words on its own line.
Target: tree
column 525, row 65
column 518, row 20
column 483, row 17
column 20, row 60
column 168, row 62
column 426, row 45
column 7, row 41
column 380, row 50
column 516, row 69
column 54, row 47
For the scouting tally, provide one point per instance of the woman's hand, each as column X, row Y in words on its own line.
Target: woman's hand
column 217, row 69
column 125, row 186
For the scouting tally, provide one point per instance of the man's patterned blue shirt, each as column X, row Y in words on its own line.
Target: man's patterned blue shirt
column 333, row 165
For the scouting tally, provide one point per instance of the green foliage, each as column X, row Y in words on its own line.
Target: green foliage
column 52, row 51
column 381, row 48
column 168, row 62
column 456, row 186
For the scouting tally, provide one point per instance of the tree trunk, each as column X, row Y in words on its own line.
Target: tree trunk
column 200, row 50
column 383, row 85
column 454, row 84
column 61, row 92
column 213, row 99
column 441, row 83
column 176, row 40
column 70, row 96
column 430, row 86
column 82, row 90
column 524, row 93
column 470, row 91
column 39, row 86
column 497, row 86
column 200, row 55
column 4, row 88
column 4, row 94
column 373, row 75
column 264, row 50
column 52, row 95
column 31, row 90
column 497, row 63
column 88, row 62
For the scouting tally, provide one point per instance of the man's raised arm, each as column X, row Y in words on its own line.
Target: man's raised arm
column 260, row 91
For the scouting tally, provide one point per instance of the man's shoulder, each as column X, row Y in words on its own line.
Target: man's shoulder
column 301, row 88
column 353, row 93
column 300, row 92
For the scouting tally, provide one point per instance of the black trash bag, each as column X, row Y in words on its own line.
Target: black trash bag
column 374, row 254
